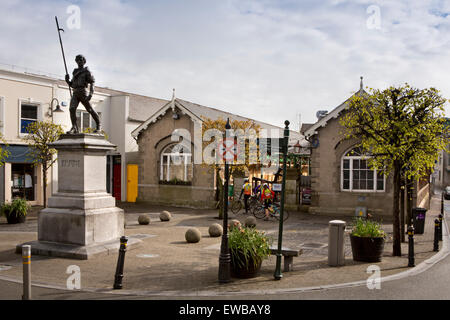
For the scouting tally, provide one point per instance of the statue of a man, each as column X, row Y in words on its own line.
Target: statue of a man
column 82, row 77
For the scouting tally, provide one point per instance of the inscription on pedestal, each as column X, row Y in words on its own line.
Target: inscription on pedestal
column 70, row 163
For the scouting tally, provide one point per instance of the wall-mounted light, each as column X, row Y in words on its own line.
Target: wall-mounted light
column 176, row 116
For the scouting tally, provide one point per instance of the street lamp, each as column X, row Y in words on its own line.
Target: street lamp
column 57, row 109
column 225, row 257
column 277, row 275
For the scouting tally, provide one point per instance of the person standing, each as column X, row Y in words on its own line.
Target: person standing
column 247, row 191
column 266, row 196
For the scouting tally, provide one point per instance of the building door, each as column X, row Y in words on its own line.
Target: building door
column 117, row 178
column 132, row 182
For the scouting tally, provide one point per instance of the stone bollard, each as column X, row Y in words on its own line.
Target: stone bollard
column 165, row 216
column 336, row 253
column 215, row 230
column 143, row 219
column 193, row 235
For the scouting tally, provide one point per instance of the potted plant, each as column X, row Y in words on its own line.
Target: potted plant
column 248, row 247
column 16, row 211
column 367, row 240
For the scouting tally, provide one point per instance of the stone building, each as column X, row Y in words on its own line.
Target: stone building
column 186, row 181
column 341, row 182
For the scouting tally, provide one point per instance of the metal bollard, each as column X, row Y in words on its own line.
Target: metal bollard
column 411, row 260
column 436, row 235
column 120, row 263
column 26, row 262
column 440, row 227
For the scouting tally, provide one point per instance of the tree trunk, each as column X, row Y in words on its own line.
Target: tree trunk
column 402, row 211
column 408, row 202
column 44, row 177
column 221, row 191
column 397, row 248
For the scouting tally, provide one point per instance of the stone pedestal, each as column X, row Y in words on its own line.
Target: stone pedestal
column 81, row 219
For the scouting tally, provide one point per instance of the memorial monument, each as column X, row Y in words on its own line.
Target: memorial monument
column 82, row 219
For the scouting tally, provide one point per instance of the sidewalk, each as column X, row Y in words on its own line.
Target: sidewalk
column 166, row 265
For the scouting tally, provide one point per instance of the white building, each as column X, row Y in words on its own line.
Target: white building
column 26, row 97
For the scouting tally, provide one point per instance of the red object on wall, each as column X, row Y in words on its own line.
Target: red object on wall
column 117, row 182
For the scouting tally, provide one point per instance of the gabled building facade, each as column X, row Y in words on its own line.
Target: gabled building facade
column 341, row 181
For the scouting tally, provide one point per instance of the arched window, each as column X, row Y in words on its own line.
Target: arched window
column 176, row 164
column 356, row 175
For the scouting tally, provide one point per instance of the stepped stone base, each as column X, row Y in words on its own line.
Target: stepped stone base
column 70, row 251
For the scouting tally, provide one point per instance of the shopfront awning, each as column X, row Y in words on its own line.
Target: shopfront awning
column 18, row 154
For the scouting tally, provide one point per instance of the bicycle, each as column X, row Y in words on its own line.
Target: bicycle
column 238, row 205
column 274, row 212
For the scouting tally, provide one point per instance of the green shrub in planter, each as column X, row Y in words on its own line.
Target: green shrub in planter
column 367, row 240
column 16, row 211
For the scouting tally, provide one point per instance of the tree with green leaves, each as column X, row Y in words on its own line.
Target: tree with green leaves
column 4, row 152
column 40, row 135
column 401, row 128
column 250, row 154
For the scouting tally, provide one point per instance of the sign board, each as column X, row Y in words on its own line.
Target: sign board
column 228, row 150
column 276, row 187
column 361, row 212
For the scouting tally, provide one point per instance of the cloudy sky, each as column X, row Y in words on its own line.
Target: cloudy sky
column 269, row 60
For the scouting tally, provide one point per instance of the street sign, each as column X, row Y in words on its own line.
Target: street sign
column 276, row 187
column 228, row 150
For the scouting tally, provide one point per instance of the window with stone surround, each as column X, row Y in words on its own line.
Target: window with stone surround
column 176, row 164
column 356, row 176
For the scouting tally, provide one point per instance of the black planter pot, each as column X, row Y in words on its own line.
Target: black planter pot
column 249, row 271
column 12, row 218
column 367, row 249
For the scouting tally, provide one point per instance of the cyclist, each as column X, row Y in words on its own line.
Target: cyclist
column 247, row 191
column 267, row 196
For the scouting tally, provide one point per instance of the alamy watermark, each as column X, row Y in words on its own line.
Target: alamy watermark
column 74, row 19
column 74, row 280
column 374, row 20
column 374, row 281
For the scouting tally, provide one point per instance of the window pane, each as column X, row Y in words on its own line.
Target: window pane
column 363, row 164
column 355, row 164
column 346, row 184
column 362, row 184
column 363, row 174
column 346, row 174
column 370, row 184
column 370, row 174
column 85, row 120
column 380, row 184
column 79, row 119
column 355, row 184
column 24, row 124
column 346, row 164
column 29, row 111
column 356, row 174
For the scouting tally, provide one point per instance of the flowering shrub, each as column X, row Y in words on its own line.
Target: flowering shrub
column 367, row 228
column 248, row 245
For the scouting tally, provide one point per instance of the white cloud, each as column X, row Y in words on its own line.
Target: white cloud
column 264, row 59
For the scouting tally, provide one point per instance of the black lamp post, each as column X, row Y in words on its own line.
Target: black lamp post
column 277, row 275
column 57, row 109
column 225, row 257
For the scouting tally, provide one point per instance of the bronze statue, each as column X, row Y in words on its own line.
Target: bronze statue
column 82, row 77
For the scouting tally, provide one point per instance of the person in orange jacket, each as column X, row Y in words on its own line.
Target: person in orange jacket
column 267, row 196
column 247, row 191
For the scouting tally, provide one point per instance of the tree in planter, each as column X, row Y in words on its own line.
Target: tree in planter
column 40, row 135
column 250, row 156
column 402, row 129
